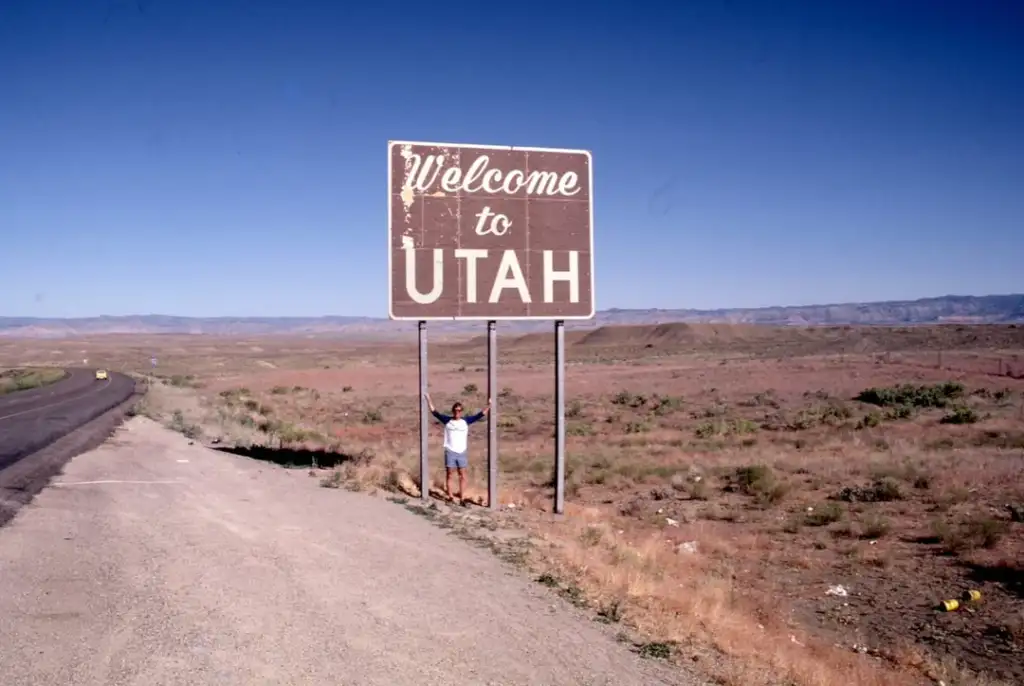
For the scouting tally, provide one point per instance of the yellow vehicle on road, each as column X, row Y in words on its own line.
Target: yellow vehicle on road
column 101, row 374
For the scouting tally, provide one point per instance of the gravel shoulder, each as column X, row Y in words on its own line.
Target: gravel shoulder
column 151, row 561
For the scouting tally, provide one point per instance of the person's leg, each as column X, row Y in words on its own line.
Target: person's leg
column 462, row 462
column 449, row 465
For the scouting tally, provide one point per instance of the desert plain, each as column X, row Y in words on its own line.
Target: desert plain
column 763, row 505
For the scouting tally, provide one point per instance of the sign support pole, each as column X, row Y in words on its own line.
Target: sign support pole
column 424, row 418
column 559, row 417
column 492, row 419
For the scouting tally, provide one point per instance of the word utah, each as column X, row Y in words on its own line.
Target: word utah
column 509, row 275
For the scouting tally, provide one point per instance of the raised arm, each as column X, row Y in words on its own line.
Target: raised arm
column 479, row 415
column 443, row 418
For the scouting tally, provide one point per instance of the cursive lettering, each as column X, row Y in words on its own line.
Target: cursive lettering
column 423, row 174
column 498, row 226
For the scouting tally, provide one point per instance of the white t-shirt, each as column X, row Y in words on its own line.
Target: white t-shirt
column 456, row 435
column 456, row 431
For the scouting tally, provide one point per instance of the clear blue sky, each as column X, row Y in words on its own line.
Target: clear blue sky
column 227, row 157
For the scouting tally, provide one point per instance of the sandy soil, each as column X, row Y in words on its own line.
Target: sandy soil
column 155, row 561
column 721, row 479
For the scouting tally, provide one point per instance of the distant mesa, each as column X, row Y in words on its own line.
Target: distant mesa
column 952, row 309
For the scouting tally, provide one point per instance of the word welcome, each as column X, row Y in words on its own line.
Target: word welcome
column 422, row 174
column 509, row 276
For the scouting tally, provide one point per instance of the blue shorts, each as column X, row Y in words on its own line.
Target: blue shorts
column 453, row 460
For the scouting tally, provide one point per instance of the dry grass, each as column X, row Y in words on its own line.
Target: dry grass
column 716, row 492
column 12, row 380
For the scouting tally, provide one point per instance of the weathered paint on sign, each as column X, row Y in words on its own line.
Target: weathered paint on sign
column 486, row 232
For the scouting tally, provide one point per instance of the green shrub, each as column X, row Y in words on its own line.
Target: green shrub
column 875, row 527
column 910, row 395
column 760, row 482
column 574, row 409
column 881, row 491
column 960, row 415
column 829, row 513
column 637, row 427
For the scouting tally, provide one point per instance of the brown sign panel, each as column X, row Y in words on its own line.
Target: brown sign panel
column 489, row 232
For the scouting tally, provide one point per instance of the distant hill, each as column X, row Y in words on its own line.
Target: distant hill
column 986, row 309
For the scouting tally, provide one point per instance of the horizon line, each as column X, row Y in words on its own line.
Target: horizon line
column 597, row 312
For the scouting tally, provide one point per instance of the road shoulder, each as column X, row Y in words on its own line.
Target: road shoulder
column 151, row 560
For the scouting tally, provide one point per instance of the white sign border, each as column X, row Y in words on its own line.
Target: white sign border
column 590, row 181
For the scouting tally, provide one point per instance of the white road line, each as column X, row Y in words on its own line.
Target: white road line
column 114, row 481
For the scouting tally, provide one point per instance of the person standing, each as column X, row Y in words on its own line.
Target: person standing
column 456, row 442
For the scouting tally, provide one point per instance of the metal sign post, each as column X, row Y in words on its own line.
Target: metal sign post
column 559, row 417
column 424, row 416
column 492, row 418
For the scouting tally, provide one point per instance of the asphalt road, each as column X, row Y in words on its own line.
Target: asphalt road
column 33, row 419
column 42, row 428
